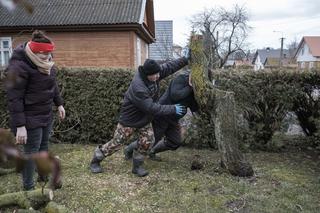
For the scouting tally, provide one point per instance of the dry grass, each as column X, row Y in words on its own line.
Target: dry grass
column 284, row 182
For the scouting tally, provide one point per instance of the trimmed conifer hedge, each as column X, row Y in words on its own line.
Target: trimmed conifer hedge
column 92, row 101
column 264, row 98
column 93, row 98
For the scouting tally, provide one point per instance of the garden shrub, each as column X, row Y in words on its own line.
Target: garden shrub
column 264, row 98
column 93, row 98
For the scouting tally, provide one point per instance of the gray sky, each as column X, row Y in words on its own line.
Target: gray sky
column 294, row 18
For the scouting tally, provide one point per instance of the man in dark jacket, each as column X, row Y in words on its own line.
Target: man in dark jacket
column 179, row 92
column 137, row 112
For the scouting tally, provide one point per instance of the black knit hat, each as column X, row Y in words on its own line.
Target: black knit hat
column 151, row 67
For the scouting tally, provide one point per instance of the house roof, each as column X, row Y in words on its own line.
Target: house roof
column 268, row 53
column 313, row 43
column 76, row 13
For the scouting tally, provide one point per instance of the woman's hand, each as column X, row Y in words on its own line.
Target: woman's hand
column 21, row 136
column 62, row 112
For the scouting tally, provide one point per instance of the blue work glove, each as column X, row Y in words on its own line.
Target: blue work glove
column 180, row 109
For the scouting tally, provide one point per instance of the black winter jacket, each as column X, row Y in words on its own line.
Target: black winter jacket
column 31, row 97
column 140, row 101
column 180, row 92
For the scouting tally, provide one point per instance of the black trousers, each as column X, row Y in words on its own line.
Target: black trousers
column 168, row 127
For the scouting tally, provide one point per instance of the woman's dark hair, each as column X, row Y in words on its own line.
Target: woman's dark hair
column 39, row 36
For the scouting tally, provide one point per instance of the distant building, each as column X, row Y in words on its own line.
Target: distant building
column 162, row 49
column 308, row 52
column 269, row 57
column 238, row 59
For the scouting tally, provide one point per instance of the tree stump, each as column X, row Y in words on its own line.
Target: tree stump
column 220, row 107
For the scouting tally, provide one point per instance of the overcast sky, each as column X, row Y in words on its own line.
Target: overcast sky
column 294, row 18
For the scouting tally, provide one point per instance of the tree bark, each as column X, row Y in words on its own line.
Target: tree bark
column 26, row 199
column 6, row 171
column 53, row 207
column 220, row 107
column 227, row 137
column 27, row 211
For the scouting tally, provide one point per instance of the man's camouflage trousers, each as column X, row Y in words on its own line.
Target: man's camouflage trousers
column 122, row 134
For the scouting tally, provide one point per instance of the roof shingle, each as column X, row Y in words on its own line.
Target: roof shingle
column 74, row 12
column 314, row 44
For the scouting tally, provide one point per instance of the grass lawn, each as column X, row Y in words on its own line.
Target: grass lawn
column 283, row 182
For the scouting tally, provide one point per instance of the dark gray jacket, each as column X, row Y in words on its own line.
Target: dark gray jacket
column 31, row 97
column 140, row 101
column 179, row 92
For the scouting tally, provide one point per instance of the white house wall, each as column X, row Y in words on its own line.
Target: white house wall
column 258, row 65
column 306, row 57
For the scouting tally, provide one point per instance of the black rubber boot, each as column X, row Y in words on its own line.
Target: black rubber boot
column 159, row 147
column 128, row 150
column 42, row 178
column 98, row 156
column 137, row 162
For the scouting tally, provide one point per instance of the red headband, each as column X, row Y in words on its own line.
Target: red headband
column 37, row 47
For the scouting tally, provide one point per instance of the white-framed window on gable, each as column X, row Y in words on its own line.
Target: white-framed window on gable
column 138, row 51
column 302, row 50
column 311, row 65
column 5, row 50
column 147, row 50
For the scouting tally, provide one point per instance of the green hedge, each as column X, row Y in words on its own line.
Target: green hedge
column 92, row 101
column 264, row 98
column 93, row 98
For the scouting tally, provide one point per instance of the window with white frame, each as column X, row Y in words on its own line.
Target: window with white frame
column 138, row 51
column 147, row 50
column 311, row 65
column 5, row 50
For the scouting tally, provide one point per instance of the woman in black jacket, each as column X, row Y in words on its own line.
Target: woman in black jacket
column 139, row 106
column 31, row 97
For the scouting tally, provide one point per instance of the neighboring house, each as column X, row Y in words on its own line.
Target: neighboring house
column 308, row 52
column 162, row 49
column 87, row 33
column 230, row 63
column 269, row 57
column 237, row 60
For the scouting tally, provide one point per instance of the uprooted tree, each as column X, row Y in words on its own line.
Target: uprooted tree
column 220, row 107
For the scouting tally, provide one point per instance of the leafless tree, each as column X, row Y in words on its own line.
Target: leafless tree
column 224, row 32
column 292, row 47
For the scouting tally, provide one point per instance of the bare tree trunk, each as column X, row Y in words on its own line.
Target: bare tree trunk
column 220, row 107
column 226, row 135
column 6, row 171
column 26, row 199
